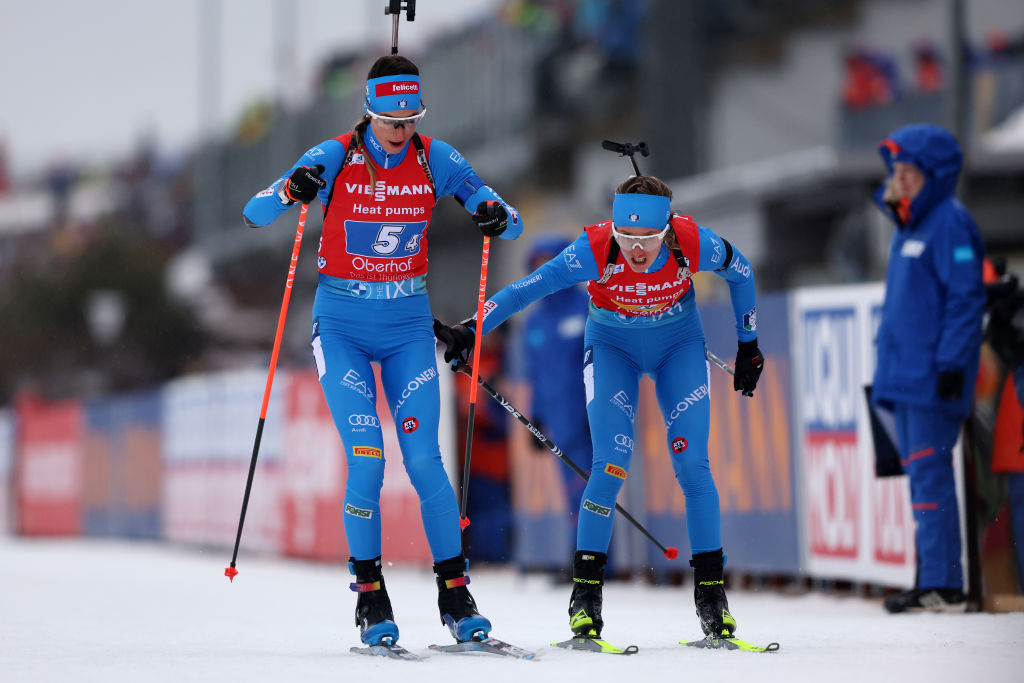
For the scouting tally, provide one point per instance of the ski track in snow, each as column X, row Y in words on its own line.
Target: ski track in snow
column 113, row 611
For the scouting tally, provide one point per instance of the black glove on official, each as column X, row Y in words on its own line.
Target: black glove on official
column 749, row 364
column 303, row 185
column 491, row 217
column 951, row 385
column 457, row 339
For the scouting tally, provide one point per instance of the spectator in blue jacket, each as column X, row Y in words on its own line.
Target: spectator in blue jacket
column 558, row 402
column 928, row 345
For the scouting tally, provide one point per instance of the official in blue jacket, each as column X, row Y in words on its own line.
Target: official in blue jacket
column 928, row 345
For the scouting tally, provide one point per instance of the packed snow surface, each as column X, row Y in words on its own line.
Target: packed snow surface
column 80, row 610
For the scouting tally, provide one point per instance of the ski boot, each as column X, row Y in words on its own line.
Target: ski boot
column 374, row 617
column 585, row 603
column 457, row 607
column 709, row 595
column 927, row 600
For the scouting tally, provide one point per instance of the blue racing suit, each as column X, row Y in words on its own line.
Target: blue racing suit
column 619, row 348
column 359, row 321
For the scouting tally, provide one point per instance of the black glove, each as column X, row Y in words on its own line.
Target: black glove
column 749, row 364
column 303, row 185
column 491, row 217
column 951, row 385
column 457, row 339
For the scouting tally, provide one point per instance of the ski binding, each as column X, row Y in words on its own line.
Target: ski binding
column 729, row 643
column 384, row 650
column 593, row 644
column 490, row 645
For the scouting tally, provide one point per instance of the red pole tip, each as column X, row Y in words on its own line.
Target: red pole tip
column 671, row 552
column 231, row 573
column 463, row 523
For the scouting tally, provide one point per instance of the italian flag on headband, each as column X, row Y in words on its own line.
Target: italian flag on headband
column 392, row 93
column 641, row 211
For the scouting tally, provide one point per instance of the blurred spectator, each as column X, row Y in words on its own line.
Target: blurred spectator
column 489, row 505
column 255, row 122
column 870, row 79
column 340, row 76
column 60, row 179
column 558, row 406
column 929, row 73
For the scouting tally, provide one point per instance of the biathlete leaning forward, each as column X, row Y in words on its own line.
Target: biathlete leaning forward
column 378, row 185
column 642, row 320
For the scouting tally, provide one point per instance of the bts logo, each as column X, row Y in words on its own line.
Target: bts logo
column 410, row 424
column 679, row 445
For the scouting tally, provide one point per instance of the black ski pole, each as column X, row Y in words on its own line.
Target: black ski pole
column 719, row 362
column 671, row 552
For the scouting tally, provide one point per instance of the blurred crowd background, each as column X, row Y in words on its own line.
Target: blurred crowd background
column 763, row 117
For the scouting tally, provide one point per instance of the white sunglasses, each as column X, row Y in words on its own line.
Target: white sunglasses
column 397, row 121
column 629, row 241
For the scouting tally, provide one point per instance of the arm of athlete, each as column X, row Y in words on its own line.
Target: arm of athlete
column 716, row 254
column 719, row 255
column 266, row 205
column 574, row 264
column 454, row 177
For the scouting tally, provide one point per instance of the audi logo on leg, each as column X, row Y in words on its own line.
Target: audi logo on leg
column 363, row 421
column 624, row 441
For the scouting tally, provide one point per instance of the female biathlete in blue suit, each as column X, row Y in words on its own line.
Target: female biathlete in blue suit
column 642, row 319
column 378, row 185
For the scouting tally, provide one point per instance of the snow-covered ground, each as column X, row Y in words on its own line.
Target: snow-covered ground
column 112, row 612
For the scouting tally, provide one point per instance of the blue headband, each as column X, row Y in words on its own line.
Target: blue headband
column 391, row 93
column 641, row 211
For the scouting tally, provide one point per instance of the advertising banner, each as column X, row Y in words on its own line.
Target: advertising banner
column 121, row 485
column 6, row 461
column 857, row 527
column 210, row 424
column 750, row 450
column 313, row 475
column 314, row 471
column 48, row 467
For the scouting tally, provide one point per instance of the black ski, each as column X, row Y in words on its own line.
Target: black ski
column 392, row 651
column 591, row 644
column 489, row 645
column 732, row 643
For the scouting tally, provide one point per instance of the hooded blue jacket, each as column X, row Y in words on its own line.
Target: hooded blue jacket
column 934, row 296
